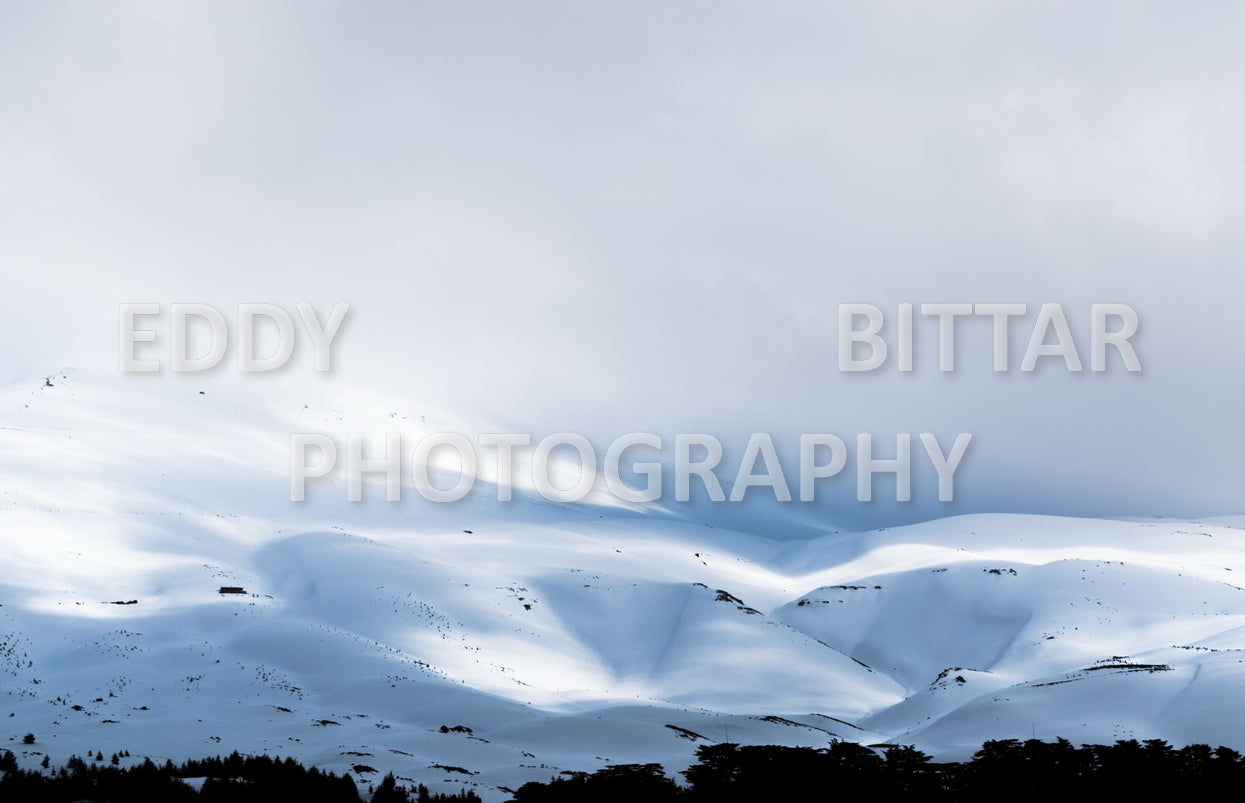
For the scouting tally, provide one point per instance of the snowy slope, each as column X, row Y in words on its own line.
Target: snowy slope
column 548, row 637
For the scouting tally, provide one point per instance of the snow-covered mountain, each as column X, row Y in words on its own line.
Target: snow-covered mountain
column 485, row 644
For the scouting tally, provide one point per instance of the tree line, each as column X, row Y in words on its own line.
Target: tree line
column 1008, row 768
column 723, row 773
column 233, row 779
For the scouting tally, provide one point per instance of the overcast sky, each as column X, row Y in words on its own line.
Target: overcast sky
column 607, row 217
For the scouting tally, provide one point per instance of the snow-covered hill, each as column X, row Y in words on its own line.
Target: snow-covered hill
column 487, row 644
